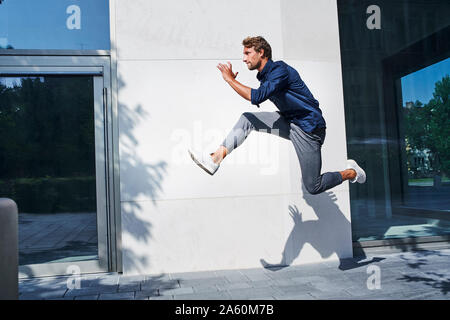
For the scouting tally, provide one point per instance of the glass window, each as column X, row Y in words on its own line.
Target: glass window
column 395, row 67
column 426, row 122
column 47, row 165
column 54, row 24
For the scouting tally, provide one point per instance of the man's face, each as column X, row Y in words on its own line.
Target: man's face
column 252, row 58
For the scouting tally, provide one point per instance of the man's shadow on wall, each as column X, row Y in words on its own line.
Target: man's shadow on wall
column 325, row 235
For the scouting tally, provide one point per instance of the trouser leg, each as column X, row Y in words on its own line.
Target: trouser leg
column 308, row 148
column 270, row 122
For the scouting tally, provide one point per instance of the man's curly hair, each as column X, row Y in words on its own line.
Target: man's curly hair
column 258, row 43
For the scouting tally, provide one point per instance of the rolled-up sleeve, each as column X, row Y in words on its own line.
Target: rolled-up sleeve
column 276, row 81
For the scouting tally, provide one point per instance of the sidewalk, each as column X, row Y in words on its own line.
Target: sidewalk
column 410, row 275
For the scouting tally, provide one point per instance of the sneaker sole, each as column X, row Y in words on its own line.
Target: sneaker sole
column 199, row 163
column 360, row 170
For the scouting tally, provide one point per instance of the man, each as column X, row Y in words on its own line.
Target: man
column 299, row 119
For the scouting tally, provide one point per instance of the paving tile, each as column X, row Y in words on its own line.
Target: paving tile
column 177, row 291
column 90, row 291
column 125, row 280
column 223, row 273
column 384, row 290
column 293, row 296
column 30, row 297
column 308, row 279
column 161, row 298
column 40, row 295
column 329, row 295
column 235, row 285
column 296, row 289
column 235, row 277
column 257, row 277
column 100, row 280
column 192, row 275
column 257, row 271
column 99, row 288
column 42, row 285
column 129, row 287
column 419, row 295
column 204, row 281
column 204, row 296
column 166, row 285
column 36, row 289
column 146, row 293
column 88, row 297
column 252, row 293
column 117, row 296
column 63, row 298
column 290, row 281
column 262, row 283
column 99, row 283
column 332, row 285
column 292, row 274
column 205, row 288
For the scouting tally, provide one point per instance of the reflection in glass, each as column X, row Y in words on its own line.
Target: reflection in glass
column 54, row 24
column 426, row 110
column 401, row 143
column 47, row 165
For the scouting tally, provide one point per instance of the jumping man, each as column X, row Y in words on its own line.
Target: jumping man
column 299, row 118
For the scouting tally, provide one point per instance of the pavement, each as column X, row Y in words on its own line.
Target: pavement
column 418, row 275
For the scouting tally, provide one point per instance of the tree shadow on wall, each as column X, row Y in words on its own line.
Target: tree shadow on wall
column 143, row 181
column 326, row 234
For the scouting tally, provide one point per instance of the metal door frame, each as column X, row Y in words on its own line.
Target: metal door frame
column 105, row 145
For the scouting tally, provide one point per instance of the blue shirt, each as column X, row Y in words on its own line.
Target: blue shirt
column 281, row 84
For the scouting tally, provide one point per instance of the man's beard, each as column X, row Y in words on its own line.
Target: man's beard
column 256, row 66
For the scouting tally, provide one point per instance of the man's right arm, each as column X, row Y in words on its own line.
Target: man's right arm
column 244, row 91
column 230, row 78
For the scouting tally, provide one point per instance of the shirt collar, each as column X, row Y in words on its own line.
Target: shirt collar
column 265, row 70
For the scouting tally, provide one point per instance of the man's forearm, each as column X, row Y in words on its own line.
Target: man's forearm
column 244, row 91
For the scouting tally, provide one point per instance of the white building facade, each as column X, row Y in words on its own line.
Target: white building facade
column 171, row 97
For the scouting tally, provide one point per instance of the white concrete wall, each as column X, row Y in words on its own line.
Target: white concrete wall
column 171, row 97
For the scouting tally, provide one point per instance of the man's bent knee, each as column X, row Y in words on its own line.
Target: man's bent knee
column 312, row 188
column 247, row 116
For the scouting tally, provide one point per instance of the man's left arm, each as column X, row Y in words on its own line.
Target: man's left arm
column 276, row 81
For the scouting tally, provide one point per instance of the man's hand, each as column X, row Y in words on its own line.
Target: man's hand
column 227, row 71
column 230, row 77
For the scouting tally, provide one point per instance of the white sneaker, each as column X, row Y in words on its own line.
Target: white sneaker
column 360, row 173
column 204, row 161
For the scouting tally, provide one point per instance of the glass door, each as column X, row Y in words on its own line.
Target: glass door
column 53, row 161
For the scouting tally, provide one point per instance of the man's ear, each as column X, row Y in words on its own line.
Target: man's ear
column 261, row 53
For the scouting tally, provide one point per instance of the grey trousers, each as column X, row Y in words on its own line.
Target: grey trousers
column 307, row 146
